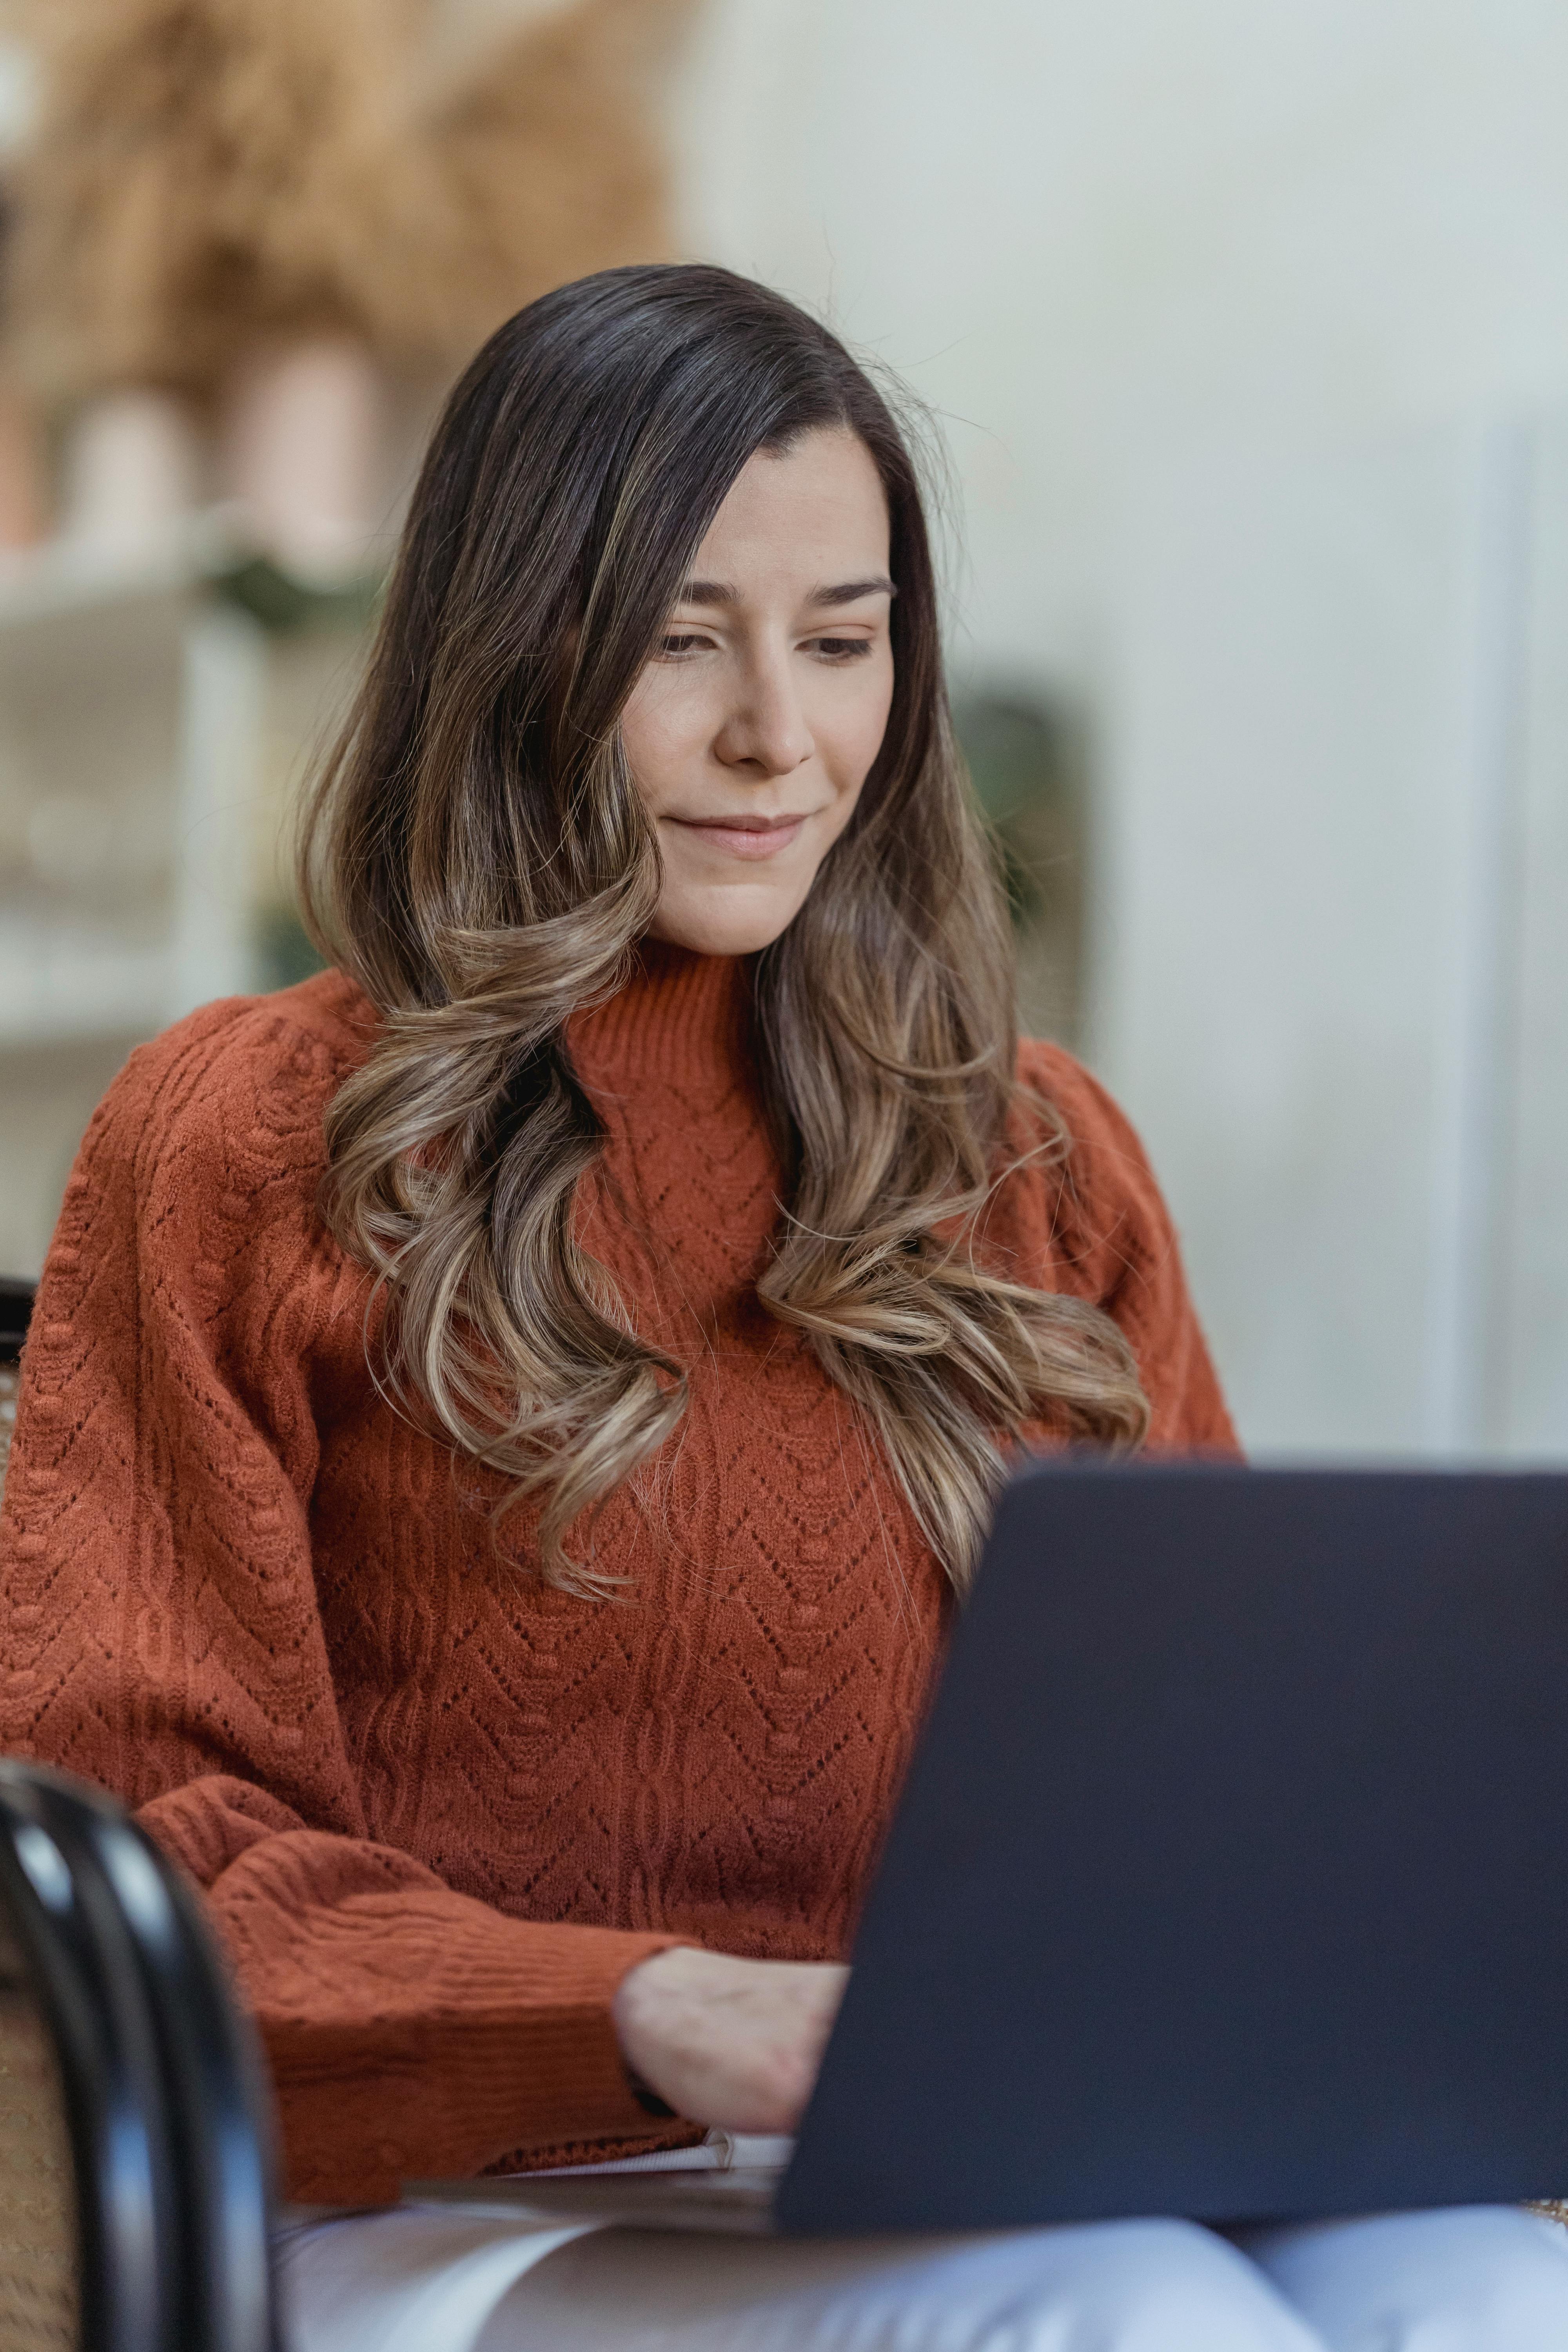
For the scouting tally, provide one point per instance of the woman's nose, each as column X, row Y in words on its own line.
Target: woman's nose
column 766, row 731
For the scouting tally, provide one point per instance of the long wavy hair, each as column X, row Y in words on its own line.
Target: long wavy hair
column 475, row 855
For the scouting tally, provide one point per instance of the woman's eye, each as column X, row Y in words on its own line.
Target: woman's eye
column 680, row 643
column 841, row 648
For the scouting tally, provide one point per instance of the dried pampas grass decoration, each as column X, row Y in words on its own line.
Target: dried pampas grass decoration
column 212, row 173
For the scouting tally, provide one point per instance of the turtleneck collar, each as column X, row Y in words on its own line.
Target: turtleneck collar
column 681, row 1020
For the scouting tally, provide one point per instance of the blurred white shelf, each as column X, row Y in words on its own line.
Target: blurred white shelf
column 124, row 690
column 139, row 709
column 64, row 577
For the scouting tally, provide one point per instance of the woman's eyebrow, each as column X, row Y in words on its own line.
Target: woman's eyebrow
column 849, row 591
column 845, row 592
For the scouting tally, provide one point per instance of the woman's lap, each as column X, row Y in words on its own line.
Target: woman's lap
column 438, row 2280
column 1473, row 2276
column 1115, row 2286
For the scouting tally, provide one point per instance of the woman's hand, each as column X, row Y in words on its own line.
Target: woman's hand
column 727, row 2041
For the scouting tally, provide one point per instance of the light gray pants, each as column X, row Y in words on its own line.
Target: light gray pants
column 462, row 2279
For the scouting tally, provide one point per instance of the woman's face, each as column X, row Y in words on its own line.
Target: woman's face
column 755, row 723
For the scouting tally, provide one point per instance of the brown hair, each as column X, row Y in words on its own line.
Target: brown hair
column 477, row 857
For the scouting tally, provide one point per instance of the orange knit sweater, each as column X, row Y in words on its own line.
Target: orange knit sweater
column 438, row 1809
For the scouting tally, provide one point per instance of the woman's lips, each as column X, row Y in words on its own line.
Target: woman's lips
column 743, row 840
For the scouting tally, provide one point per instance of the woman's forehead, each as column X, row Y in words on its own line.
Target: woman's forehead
column 814, row 513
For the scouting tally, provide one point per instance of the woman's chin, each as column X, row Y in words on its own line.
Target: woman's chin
column 734, row 921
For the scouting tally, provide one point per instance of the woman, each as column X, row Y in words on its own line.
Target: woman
column 508, row 1419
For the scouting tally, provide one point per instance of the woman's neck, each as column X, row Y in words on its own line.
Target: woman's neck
column 682, row 1020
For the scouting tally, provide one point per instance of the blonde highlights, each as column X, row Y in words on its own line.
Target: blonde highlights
column 476, row 856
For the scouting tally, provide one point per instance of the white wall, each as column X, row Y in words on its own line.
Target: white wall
column 1337, row 763
column 1219, row 301
column 1086, row 231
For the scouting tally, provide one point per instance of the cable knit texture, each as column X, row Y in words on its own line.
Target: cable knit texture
column 437, row 1809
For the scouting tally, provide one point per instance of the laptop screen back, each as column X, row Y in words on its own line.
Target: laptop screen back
column 1231, row 1877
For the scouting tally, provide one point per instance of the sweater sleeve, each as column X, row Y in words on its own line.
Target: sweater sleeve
column 1097, row 1222
column 163, row 1638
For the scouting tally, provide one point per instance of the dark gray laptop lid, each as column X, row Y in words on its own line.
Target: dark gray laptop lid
column 1231, row 1878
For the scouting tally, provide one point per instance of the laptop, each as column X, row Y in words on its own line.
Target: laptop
column 1230, row 1878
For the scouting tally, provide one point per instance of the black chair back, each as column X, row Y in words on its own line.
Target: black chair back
column 163, row 2090
column 15, row 1307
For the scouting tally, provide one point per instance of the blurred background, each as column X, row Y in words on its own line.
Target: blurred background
column 1246, row 330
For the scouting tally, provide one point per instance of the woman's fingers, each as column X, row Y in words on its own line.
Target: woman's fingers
column 728, row 2042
